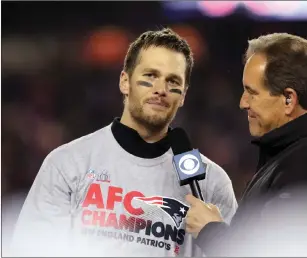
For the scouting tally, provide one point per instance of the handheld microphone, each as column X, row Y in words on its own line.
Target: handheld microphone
column 187, row 161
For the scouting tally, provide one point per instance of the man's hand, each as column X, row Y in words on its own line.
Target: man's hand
column 200, row 214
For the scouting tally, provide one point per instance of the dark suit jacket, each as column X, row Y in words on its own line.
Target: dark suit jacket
column 272, row 215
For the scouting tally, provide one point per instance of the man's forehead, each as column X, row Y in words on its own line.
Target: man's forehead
column 257, row 62
column 254, row 67
column 161, row 54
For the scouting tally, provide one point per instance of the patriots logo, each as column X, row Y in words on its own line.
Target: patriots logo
column 172, row 207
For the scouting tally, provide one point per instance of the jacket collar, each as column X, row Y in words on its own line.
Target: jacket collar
column 285, row 135
column 280, row 138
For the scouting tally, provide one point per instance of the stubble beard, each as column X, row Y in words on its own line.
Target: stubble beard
column 153, row 122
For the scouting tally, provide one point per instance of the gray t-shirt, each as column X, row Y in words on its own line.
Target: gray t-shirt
column 92, row 198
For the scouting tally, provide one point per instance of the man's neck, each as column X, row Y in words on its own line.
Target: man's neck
column 297, row 113
column 147, row 135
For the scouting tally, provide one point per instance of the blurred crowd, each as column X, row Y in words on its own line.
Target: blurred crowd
column 60, row 71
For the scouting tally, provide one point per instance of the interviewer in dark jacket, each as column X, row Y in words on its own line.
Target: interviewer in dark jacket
column 272, row 217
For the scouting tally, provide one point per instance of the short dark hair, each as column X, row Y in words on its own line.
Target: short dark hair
column 166, row 38
column 287, row 63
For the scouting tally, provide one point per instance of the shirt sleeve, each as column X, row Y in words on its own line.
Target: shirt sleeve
column 44, row 221
column 225, row 199
column 220, row 190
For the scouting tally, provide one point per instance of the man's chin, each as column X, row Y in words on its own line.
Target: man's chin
column 152, row 119
column 155, row 121
column 255, row 132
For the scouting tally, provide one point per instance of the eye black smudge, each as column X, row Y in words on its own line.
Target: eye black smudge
column 144, row 83
column 176, row 91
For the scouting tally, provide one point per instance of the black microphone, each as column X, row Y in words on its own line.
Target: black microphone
column 187, row 161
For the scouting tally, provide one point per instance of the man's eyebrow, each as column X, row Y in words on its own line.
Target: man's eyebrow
column 156, row 71
column 175, row 76
column 151, row 70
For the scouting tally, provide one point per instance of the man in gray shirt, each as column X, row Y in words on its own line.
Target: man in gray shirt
column 111, row 193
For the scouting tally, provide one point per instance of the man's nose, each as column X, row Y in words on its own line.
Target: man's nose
column 160, row 87
column 244, row 101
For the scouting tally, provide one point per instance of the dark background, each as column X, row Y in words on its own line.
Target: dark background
column 61, row 63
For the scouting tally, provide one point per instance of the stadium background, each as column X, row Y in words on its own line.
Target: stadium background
column 60, row 70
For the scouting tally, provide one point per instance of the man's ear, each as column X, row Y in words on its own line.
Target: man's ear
column 124, row 83
column 291, row 100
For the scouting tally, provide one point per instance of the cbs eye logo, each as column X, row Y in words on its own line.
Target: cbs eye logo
column 188, row 164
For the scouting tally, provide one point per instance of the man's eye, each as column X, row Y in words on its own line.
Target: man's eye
column 250, row 91
column 173, row 82
column 150, row 75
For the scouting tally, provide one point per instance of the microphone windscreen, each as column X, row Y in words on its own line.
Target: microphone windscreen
column 179, row 140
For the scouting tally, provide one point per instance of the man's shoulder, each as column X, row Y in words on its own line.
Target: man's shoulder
column 81, row 145
column 290, row 169
column 214, row 171
column 219, row 190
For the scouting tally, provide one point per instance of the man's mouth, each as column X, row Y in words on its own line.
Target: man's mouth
column 251, row 115
column 157, row 103
column 251, row 118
